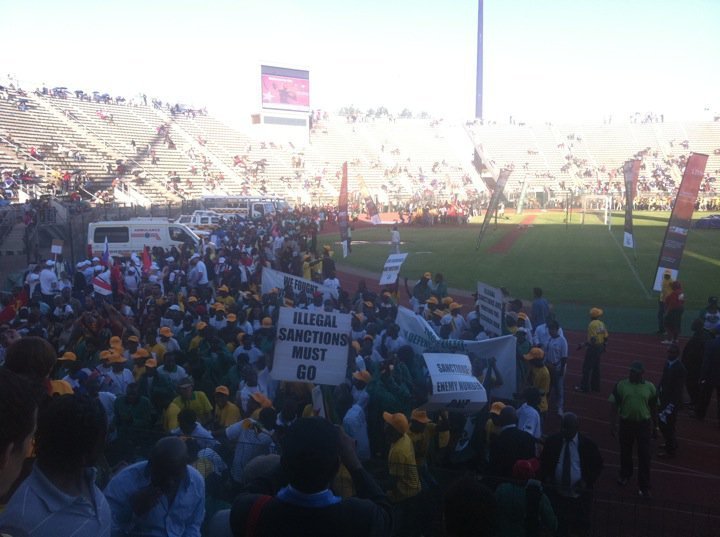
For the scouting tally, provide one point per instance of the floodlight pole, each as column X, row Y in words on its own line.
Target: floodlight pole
column 479, row 65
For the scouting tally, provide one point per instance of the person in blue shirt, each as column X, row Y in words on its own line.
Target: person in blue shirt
column 60, row 497
column 160, row 497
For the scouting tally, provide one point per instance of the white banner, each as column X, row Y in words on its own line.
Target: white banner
column 274, row 278
column 391, row 270
column 420, row 335
column 453, row 385
column 311, row 347
column 491, row 308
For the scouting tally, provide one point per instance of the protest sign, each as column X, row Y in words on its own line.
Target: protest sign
column 391, row 270
column 422, row 338
column 453, row 385
column 274, row 278
column 311, row 347
column 490, row 300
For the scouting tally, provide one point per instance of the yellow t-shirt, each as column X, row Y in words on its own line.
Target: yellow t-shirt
column 226, row 300
column 421, row 442
column 159, row 351
column 403, row 467
column 170, row 417
column 228, row 415
column 199, row 403
column 597, row 330
column 541, row 380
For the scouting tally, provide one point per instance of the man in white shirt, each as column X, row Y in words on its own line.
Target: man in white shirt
column 556, row 355
column 395, row 240
column 198, row 276
column 333, row 285
column 252, row 438
column 528, row 415
column 48, row 282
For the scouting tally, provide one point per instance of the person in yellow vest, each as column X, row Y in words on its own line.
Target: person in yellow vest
column 539, row 377
column 665, row 291
column 597, row 337
column 195, row 400
column 224, row 297
column 226, row 413
column 403, row 471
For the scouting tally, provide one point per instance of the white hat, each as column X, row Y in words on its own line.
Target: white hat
column 170, row 259
column 80, row 265
column 50, row 263
column 174, row 307
column 194, row 256
column 96, row 259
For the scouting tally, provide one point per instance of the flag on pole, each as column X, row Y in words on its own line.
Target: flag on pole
column 370, row 206
column 146, row 260
column 101, row 283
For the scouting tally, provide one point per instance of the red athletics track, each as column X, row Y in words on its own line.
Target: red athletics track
column 693, row 477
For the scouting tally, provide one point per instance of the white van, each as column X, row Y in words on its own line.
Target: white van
column 248, row 207
column 200, row 220
column 131, row 236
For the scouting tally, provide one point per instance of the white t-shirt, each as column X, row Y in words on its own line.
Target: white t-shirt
column 48, row 282
column 529, row 420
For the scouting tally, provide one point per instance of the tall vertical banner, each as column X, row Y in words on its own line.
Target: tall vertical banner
column 494, row 200
column 631, row 171
column 370, row 206
column 343, row 207
column 680, row 219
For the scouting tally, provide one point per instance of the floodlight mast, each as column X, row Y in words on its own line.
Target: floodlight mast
column 479, row 67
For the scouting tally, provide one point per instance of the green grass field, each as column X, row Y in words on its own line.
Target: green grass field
column 578, row 265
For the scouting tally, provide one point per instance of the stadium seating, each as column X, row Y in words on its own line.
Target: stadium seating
column 141, row 147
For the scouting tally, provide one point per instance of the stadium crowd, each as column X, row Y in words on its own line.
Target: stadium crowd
column 141, row 391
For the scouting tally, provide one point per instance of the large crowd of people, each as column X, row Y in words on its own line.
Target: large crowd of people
column 137, row 398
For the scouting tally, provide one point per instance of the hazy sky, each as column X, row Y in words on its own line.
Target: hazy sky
column 544, row 59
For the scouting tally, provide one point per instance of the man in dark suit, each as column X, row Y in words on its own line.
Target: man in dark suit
column 510, row 446
column 571, row 463
column 671, row 393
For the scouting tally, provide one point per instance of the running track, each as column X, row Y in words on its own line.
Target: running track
column 693, row 477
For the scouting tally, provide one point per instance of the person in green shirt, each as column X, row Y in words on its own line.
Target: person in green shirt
column 634, row 400
column 134, row 420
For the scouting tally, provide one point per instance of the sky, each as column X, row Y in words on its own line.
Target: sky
column 557, row 60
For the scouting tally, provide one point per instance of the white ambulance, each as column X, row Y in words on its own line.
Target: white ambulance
column 132, row 236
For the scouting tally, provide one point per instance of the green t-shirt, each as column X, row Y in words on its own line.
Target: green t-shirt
column 633, row 401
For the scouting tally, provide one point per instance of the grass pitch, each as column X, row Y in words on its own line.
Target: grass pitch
column 577, row 265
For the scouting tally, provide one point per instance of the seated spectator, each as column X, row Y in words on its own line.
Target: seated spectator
column 189, row 428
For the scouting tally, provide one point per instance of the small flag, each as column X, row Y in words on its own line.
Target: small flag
column 146, row 260
column 101, row 283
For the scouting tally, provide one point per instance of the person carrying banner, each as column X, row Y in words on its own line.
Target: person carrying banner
column 597, row 336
